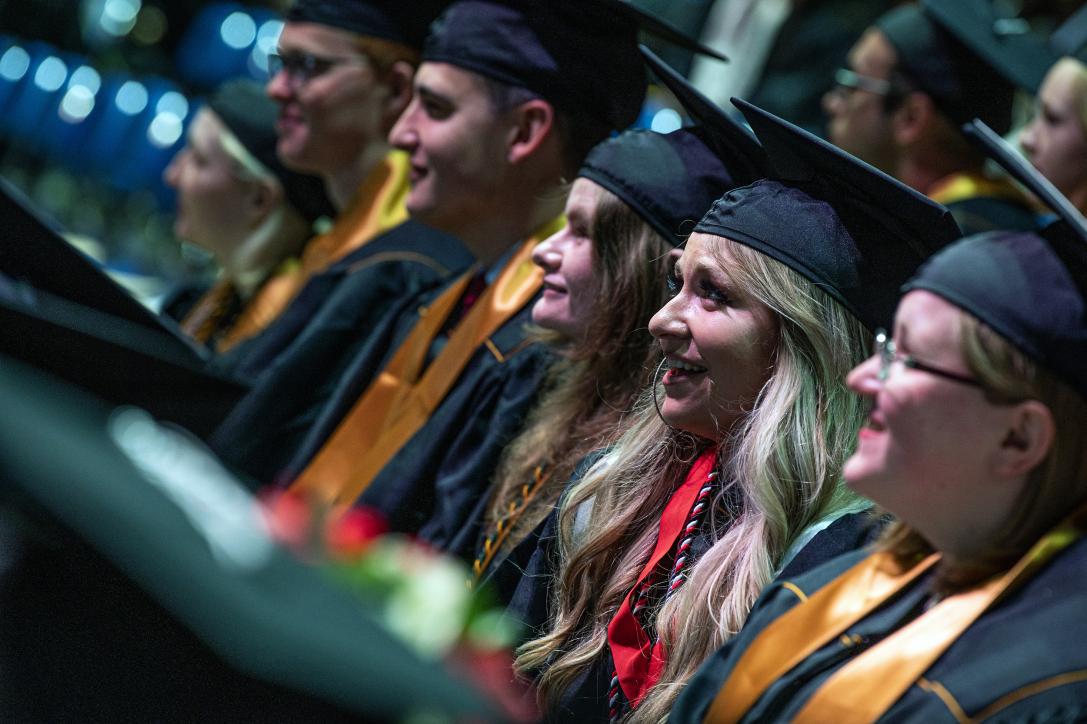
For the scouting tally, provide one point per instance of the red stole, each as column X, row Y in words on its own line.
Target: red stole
column 638, row 660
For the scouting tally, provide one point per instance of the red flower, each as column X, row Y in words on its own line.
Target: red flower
column 350, row 534
column 288, row 517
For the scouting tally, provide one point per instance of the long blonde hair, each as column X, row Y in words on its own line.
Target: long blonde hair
column 783, row 470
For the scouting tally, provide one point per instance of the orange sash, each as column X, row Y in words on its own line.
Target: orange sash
column 271, row 299
column 866, row 687
column 959, row 186
column 403, row 396
column 377, row 206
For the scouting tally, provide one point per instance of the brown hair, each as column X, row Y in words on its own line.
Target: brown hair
column 383, row 53
column 596, row 379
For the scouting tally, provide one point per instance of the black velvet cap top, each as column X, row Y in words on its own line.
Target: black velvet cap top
column 672, row 179
column 580, row 55
column 849, row 228
column 1029, row 287
column 251, row 116
column 397, row 20
column 967, row 58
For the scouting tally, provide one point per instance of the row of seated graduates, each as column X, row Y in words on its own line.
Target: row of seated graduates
column 411, row 504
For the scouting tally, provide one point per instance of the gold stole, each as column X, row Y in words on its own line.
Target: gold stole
column 959, row 186
column 404, row 395
column 377, row 206
column 271, row 298
column 866, row 687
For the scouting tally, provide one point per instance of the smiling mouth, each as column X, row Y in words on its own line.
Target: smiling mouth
column 874, row 423
column 551, row 287
column 416, row 173
column 681, row 370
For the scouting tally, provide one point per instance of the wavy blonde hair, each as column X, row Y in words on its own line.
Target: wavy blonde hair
column 784, row 469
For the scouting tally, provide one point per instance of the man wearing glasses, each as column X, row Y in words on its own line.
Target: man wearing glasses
column 919, row 73
column 341, row 75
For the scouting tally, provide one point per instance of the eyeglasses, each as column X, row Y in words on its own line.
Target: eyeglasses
column 888, row 355
column 849, row 80
column 301, row 68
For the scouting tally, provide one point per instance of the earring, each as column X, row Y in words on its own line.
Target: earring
column 656, row 402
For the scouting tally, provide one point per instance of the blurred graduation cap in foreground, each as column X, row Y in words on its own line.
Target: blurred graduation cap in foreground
column 32, row 252
column 122, row 362
column 139, row 584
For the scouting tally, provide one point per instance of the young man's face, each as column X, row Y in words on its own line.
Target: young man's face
column 458, row 145
column 859, row 120
column 329, row 117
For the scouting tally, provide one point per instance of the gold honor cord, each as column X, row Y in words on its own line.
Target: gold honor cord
column 866, row 687
column 402, row 398
column 505, row 525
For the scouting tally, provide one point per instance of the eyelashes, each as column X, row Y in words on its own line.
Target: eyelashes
column 706, row 289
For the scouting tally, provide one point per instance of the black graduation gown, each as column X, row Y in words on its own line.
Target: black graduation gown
column 587, row 700
column 341, row 304
column 435, row 486
column 321, row 354
column 1023, row 660
column 978, row 214
column 521, row 580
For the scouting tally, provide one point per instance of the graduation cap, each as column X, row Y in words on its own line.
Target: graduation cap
column 672, row 179
column 130, row 530
column 1024, row 172
column 581, row 55
column 849, row 228
column 401, row 22
column 1071, row 37
column 1029, row 287
column 31, row 251
column 966, row 57
column 117, row 360
column 251, row 115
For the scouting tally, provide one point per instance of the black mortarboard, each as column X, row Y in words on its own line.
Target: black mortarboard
column 582, row 56
column 965, row 57
column 140, row 584
column 1022, row 171
column 396, row 20
column 117, row 360
column 251, row 116
column 1071, row 37
column 1029, row 287
column 847, row 227
column 672, row 179
column 34, row 253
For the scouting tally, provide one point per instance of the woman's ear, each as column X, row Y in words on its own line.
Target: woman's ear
column 533, row 122
column 263, row 198
column 1028, row 439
